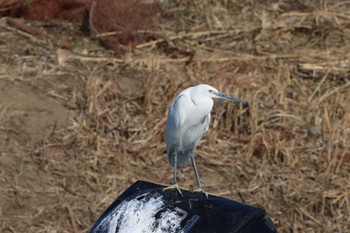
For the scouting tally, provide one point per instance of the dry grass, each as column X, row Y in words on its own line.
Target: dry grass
column 288, row 151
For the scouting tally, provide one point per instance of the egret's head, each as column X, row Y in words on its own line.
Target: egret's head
column 206, row 90
column 212, row 92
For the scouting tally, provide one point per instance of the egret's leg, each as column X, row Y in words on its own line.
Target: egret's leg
column 196, row 172
column 175, row 167
column 200, row 189
column 175, row 185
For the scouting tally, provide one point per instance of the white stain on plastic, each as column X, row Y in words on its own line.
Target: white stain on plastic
column 142, row 215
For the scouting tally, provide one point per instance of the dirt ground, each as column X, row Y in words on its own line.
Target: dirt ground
column 79, row 125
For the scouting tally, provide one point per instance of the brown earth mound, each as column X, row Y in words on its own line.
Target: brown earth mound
column 120, row 24
column 45, row 9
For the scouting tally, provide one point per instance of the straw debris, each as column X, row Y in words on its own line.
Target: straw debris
column 80, row 123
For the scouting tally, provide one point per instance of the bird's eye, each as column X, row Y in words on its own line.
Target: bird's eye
column 210, row 91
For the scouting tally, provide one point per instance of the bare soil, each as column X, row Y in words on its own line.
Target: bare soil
column 80, row 123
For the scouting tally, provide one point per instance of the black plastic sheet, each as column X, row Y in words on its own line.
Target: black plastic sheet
column 146, row 207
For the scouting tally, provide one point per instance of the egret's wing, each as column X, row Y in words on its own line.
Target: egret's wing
column 176, row 119
column 179, row 110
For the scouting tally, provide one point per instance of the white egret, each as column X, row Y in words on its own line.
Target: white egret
column 188, row 119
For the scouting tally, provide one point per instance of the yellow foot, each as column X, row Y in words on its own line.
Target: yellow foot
column 200, row 190
column 175, row 186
